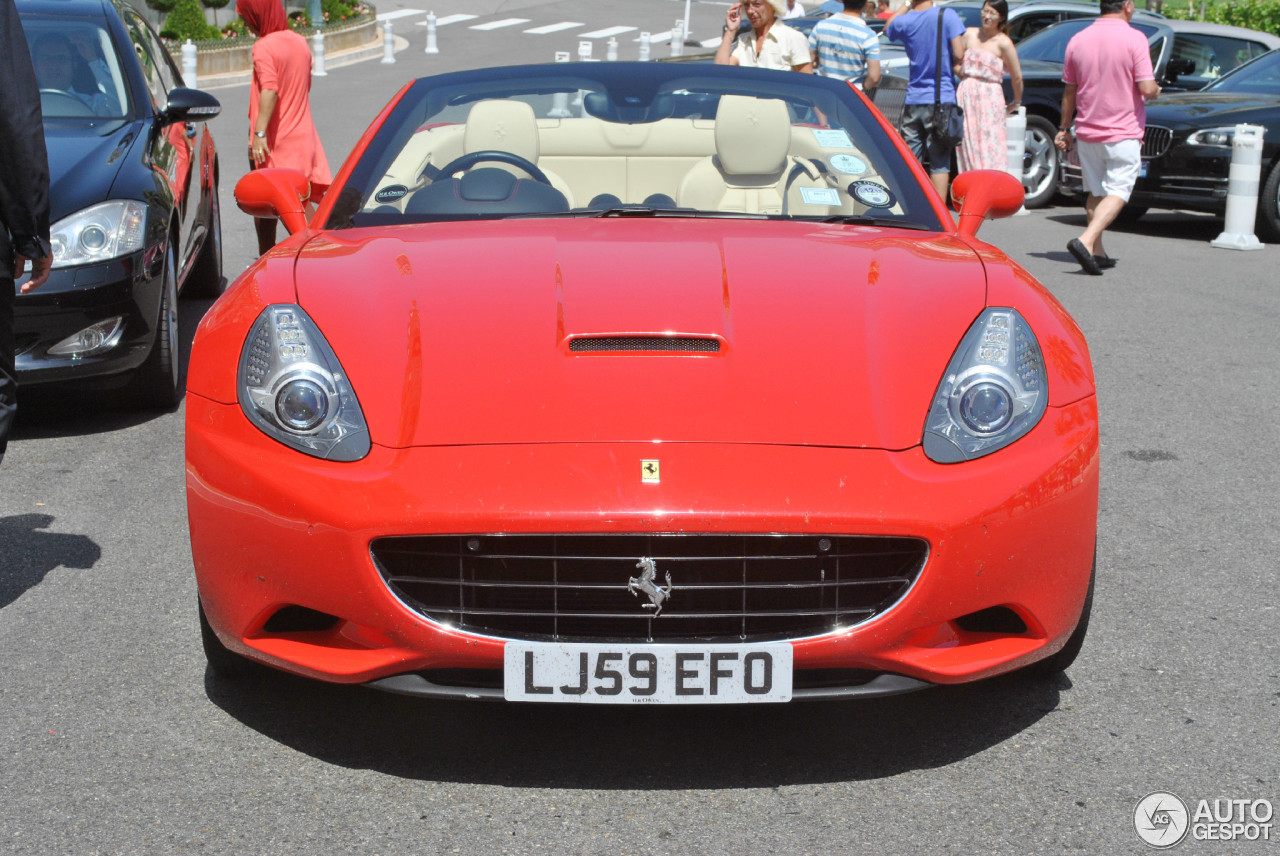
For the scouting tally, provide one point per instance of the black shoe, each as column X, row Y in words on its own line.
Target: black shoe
column 1084, row 257
column 1105, row 262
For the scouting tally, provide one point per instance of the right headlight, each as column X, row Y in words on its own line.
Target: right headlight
column 994, row 390
column 291, row 385
column 98, row 233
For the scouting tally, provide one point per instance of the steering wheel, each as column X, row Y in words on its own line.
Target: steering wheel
column 493, row 155
column 81, row 109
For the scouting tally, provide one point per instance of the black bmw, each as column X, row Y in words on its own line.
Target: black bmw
column 134, row 201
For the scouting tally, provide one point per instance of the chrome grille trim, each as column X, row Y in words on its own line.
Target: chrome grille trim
column 1156, row 141
column 574, row 587
column 644, row 344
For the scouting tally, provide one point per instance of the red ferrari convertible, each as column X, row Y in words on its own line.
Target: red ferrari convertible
column 639, row 384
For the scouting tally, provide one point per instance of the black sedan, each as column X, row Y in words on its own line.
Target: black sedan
column 1185, row 55
column 1186, row 152
column 134, row 202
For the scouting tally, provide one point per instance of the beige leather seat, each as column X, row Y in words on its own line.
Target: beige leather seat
column 507, row 126
column 749, row 170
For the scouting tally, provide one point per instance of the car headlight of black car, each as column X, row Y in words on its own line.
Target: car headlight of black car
column 98, row 233
column 994, row 391
column 291, row 385
column 1220, row 138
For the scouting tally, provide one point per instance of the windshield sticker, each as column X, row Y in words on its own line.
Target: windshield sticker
column 849, row 164
column 871, row 194
column 820, row 196
column 391, row 194
column 832, row 139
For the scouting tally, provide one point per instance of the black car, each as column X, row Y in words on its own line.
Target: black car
column 134, row 201
column 1186, row 151
column 1185, row 55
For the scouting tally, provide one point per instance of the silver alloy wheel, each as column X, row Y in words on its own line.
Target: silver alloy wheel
column 1039, row 164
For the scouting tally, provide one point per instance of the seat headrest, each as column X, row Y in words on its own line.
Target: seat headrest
column 753, row 135
column 505, row 126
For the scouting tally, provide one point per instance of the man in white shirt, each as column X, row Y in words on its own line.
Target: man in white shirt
column 794, row 10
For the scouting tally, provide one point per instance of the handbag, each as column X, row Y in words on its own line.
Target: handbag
column 948, row 119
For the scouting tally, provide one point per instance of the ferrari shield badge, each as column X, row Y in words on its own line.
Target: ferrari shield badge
column 646, row 583
column 649, row 472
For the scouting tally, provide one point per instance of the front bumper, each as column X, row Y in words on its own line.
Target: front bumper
column 74, row 298
column 272, row 529
column 1192, row 178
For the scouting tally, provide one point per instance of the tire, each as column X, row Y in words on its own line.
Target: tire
column 1268, row 226
column 1040, row 162
column 224, row 662
column 1061, row 661
column 205, row 279
column 157, row 381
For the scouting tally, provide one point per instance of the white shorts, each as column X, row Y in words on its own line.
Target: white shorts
column 1110, row 169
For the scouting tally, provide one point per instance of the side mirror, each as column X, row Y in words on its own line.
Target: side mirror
column 984, row 193
column 275, row 193
column 190, row 105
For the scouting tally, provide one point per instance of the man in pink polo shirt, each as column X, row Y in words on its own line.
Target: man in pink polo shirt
column 1108, row 74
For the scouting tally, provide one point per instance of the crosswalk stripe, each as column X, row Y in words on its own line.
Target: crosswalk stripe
column 654, row 38
column 604, row 34
column 497, row 25
column 400, row 13
column 454, row 19
column 554, row 28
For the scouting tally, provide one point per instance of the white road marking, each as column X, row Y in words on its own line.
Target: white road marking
column 400, row 13
column 554, row 28
column 604, row 34
column 497, row 25
column 454, row 19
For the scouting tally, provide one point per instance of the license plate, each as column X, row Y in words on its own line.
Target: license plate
column 1142, row 170
column 647, row 674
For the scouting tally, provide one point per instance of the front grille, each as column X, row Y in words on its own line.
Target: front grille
column 1156, row 141
column 661, row 344
column 722, row 587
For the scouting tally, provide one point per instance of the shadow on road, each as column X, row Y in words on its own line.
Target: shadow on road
column 559, row 746
column 27, row 554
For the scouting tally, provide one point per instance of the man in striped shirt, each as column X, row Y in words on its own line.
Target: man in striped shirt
column 844, row 47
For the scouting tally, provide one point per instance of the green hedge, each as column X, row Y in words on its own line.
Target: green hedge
column 1261, row 15
column 186, row 21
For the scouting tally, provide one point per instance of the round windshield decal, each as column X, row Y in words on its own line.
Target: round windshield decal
column 391, row 194
column 849, row 164
column 871, row 194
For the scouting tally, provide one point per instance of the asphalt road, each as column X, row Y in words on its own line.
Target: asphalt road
column 115, row 739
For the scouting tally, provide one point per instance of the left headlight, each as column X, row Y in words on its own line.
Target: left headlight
column 292, row 387
column 1216, row 137
column 994, row 390
column 98, row 233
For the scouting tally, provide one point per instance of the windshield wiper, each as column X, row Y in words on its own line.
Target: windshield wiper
column 636, row 211
column 864, row 220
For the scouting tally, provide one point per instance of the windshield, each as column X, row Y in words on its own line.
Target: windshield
column 1260, row 77
column 1050, row 44
column 76, row 68
column 630, row 139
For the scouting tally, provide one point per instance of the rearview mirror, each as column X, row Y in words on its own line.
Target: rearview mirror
column 190, row 105
column 1175, row 68
column 985, row 193
column 275, row 193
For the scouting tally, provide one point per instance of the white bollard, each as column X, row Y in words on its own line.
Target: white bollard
column 317, row 55
column 611, row 52
column 1242, row 190
column 684, row 36
column 677, row 42
column 1015, row 146
column 388, row 44
column 644, row 47
column 189, row 66
column 431, row 33
column 560, row 100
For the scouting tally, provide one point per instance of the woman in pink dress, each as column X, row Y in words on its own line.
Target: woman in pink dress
column 281, row 132
column 988, row 53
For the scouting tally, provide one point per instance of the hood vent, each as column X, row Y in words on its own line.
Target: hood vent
column 644, row 344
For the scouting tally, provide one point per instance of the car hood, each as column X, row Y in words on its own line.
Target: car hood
column 1037, row 69
column 84, row 162
column 1211, row 110
column 828, row 335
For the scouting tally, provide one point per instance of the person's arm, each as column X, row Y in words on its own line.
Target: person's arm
column 873, row 76
column 258, row 148
column 1150, row 89
column 801, row 60
column 1010, row 56
column 1063, row 139
column 24, row 182
column 724, row 53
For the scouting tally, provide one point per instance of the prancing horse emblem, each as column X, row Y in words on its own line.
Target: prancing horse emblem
column 645, row 583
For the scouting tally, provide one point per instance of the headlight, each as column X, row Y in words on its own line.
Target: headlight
column 100, row 232
column 994, row 390
column 1216, row 137
column 292, row 387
